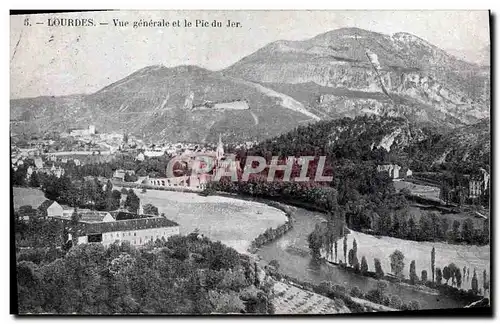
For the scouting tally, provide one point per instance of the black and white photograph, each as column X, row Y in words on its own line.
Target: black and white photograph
column 250, row 162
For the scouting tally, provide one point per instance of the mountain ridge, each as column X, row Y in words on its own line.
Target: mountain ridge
column 193, row 103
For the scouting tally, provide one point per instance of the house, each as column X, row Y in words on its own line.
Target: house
column 120, row 174
column 50, row 208
column 39, row 163
column 392, row 169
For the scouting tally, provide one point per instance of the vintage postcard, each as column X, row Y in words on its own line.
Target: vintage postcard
column 250, row 162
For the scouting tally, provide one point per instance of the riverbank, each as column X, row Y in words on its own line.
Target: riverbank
column 380, row 247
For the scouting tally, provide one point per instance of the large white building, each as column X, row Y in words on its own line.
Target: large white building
column 137, row 231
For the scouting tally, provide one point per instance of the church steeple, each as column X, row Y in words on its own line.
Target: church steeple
column 220, row 149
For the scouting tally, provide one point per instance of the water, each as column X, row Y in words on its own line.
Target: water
column 292, row 253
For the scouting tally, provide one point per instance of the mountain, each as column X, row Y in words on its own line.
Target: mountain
column 185, row 103
column 468, row 145
column 386, row 139
column 342, row 73
column 350, row 71
column 363, row 137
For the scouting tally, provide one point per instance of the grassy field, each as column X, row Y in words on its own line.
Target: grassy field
column 293, row 300
column 27, row 196
column 235, row 222
column 461, row 217
column 371, row 247
column 419, row 190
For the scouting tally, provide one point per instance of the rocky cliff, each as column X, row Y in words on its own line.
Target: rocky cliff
column 408, row 71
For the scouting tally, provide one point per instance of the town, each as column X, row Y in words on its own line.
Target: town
column 346, row 172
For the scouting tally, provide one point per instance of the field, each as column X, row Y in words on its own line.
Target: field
column 27, row 196
column 234, row 222
column 461, row 217
column 429, row 192
column 471, row 256
column 292, row 300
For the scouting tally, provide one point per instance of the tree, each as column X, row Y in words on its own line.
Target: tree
column 132, row 202
column 433, row 262
column 355, row 246
column 395, row 302
column 474, row 283
column 351, row 257
column 356, row 292
column 109, row 189
column 34, row 182
column 424, row 275
column 378, row 269
column 456, row 231
column 315, row 241
column 453, row 272
column 486, row 284
column 356, row 264
column 458, row 277
column 414, row 305
column 439, row 275
column 275, row 264
column 413, row 273
column 445, row 225
column 364, row 266
column 446, row 274
column 149, row 209
column 468, row 230
column 335, row 244
column 345, row 249
column 412, row 229
column 397, row 263
column 425, row 228
column 75, row 218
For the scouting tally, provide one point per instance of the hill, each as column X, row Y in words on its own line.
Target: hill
column 387, row 139
column 185, row 103
column 350, row 71
column 468, row 146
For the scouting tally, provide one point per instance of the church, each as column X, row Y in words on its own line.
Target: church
column 183, row 176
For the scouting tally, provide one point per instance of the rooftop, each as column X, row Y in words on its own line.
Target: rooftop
column 122, row 226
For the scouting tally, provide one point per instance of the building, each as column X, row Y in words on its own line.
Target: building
column 392, row 169
column 136, row 231
column 83, row 131
column 50, row 208
column 93, row 216
column 475, row 188
column 478, row 184
column 55, row 171
column 120, row 174
column 39, row 163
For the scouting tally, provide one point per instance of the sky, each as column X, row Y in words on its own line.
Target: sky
column 54, row 60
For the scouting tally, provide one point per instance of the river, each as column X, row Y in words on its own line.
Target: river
column 292, row 253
